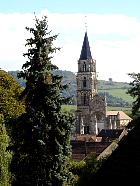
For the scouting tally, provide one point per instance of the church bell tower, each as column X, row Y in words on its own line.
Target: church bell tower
column 86, row 88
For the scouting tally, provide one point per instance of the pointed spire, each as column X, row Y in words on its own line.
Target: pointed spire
column 85, row 52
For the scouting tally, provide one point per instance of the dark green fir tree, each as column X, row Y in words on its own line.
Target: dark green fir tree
column 41, row 136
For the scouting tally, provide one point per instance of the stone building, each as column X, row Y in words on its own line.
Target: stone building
column 91, row 108
column 91, row 114
column 117, row 119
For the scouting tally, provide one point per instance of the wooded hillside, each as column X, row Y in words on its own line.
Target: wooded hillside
column 116, row 92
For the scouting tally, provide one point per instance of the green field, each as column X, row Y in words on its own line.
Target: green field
column 70, row 108
column 115, row 89
column 121, row 93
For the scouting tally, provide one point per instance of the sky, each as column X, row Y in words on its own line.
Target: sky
column 113, row 28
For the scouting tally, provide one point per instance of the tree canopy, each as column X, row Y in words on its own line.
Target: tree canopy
column 134, row 91
column 42, row 135
column 10, row 105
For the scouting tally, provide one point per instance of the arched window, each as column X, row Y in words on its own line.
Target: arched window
column 84, row 99
column 88, row 130
column 84, row 67
column 84, row 82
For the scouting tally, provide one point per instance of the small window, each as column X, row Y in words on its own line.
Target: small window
column 84, row 99
column 84, row 82
column 87, row 130
column 84, row 67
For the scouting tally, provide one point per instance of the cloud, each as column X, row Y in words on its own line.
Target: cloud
column 12, row 39
column 114, row 40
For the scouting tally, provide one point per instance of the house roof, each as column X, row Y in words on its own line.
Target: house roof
column 124, row 162
column 110, row 133
column 122, row 115
column 85, row 52
column 88, row 137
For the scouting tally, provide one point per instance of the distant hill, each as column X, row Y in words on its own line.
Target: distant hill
column 115, row 91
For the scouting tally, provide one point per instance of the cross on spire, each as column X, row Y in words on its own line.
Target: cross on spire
column 86, row 23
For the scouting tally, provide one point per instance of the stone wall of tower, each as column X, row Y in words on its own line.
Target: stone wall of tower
column 86, row 116
column 86, row 81
column 86, row 89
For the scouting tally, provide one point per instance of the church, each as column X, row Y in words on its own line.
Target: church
column 91, row 114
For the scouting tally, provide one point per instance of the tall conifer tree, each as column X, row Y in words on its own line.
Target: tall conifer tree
column 41, row 135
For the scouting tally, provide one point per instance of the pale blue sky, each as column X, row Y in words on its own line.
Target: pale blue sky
column 128, row 7
column 113, row 31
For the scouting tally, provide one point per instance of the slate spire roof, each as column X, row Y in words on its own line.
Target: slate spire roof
column 85, row 52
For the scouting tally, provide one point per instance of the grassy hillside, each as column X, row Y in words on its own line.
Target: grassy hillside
column 115, row 89
column 121, row 93
column 69, row 107
column 112, row 85
column 72, row 108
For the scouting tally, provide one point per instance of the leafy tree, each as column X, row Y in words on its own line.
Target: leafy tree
column 41, row 135
column 5, row 156
column 134, row 91
column 103, row 86
column 21, row 81
column 85, row 170
column 10, row 105
column 114, row 101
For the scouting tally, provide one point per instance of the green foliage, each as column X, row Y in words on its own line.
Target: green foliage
column 76, row 167
column 5, row 155
column 68, row 78
column 92, row 166
column 42, row 135
column 10, row 106
column 117, row 91
column 69, row 108
column 114, row 101
column 21, row 81
column 107, row 85
column 85, row 170
column 134, row 91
